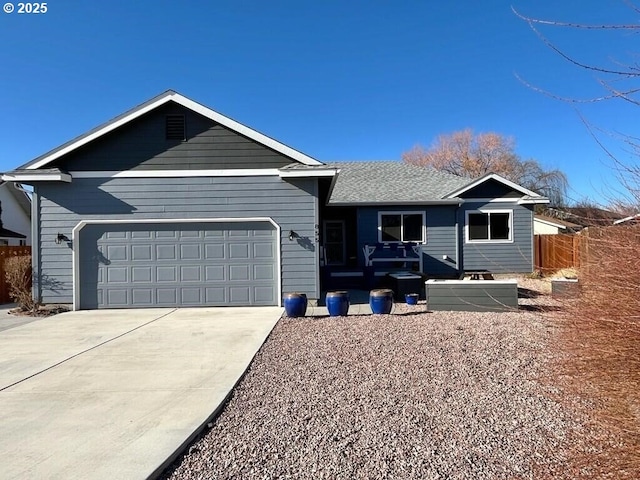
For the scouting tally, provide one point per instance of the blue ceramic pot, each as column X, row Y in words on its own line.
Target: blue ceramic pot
column 411, row 298
column 295, row 304
column 337, row 303
column 381, row 301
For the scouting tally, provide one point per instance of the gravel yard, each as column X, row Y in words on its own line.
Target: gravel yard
column 411, row 395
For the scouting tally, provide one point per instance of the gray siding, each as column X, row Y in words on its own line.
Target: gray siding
column 441, row 240
column 441, row 236
column 293, row 205
column 141, row 145
column 500, row 257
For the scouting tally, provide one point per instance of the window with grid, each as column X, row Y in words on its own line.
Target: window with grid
column 401, row 227
column 489, row 226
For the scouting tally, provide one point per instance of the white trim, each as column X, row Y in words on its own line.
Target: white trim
column 498, row 178
column 458, row 244
column 518, row 200
column 403, row 212
column 529, row 201
column 75, row 242
column 489, row 240
column 302, row 173
column 235, row 172
column 492, row 200
column 187, row 103
column 230, row 172
column 36, row 177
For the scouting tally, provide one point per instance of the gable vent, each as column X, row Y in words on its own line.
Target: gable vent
column 175, row 127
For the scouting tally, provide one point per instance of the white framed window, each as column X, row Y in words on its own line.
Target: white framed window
column 402, row 227
column 493, row 226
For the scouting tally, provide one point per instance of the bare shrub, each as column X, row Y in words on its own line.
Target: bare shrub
column 18, row 276
column 600, row 341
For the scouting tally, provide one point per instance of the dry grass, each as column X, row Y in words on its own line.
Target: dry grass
column 18, row 276
column 566, row 273
column 600, row 343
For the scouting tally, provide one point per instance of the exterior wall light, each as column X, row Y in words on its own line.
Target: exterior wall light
column 293, row 235
column 61, row 237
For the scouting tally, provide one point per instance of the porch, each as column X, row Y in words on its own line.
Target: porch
column 400, row 280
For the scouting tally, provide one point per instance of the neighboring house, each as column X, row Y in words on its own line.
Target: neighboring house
column 543, row 225
column 15, row 225
column 173, row 204
column 585, row 216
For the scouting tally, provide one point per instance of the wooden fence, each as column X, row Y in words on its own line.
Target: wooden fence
column 555, row 252
column 7, row 252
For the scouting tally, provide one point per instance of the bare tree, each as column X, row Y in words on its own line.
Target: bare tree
column 600, row 335
column 615, row 78
column 618, row 80
column 473, row 155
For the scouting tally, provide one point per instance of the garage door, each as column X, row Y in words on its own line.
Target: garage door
column 177, row 264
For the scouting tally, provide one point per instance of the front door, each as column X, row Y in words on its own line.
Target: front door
column 334, row 244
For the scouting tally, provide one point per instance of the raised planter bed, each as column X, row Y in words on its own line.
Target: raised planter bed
column 472, row 295
column 564, row 287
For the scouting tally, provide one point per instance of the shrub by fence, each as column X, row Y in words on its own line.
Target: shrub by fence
column 600, row 341
column 8, row 252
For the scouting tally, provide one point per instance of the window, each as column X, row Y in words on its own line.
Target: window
column 489, row 226
column 401, row 227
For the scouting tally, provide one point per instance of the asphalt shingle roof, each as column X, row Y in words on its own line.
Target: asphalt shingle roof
column 391, row 182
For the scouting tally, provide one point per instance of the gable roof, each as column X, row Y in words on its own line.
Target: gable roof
column 497, row 178
column 391, row 182
column 162, row 99
column 586, row 216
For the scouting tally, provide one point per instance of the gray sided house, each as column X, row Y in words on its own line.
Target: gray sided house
column 411, row 218
column 173, row 204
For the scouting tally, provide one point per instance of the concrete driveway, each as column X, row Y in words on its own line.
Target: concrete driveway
column 115, row 393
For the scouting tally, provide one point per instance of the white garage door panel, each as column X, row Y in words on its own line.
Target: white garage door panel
column 178, row 264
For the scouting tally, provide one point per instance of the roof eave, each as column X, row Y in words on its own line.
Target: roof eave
column 552, row 224
column 397, row 203
column 29, row 178
column 627, row 219
column 293, row 173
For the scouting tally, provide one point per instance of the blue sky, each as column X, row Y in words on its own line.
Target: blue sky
column 338, row 80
